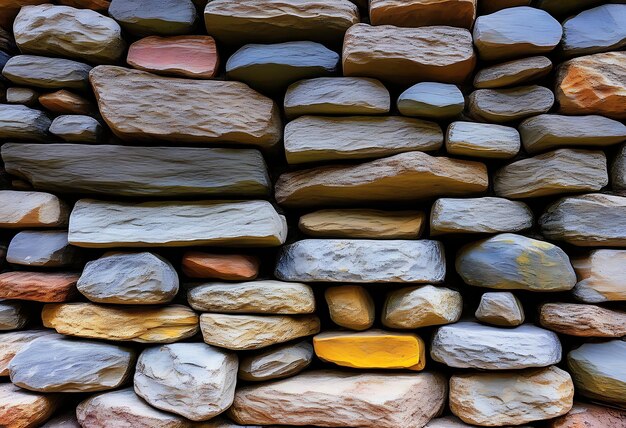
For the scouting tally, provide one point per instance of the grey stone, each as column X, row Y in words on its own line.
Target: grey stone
column 65, row 420
column 193, row 380
column 513, row 72
column 482, row 140
column 505, row 105
column 600, row 29
column 26, row 96
column 13, row 315
column 276, row 363
column 431, row 100
column 500, row 308
column 42, row 248
column 129, row 278
column 601, row 276
column 75, row 128
column 12, row 342
column 48, row 73
column 618, row 171
column 160, row 17
column 19, row 122
column 423, row 306
column 362, row 261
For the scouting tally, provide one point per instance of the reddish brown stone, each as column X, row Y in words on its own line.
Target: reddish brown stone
column 590, row 416
column 220, row 266
column 187, row 56
column 420, row 13
column 583, row 320
column 101, row 6
column 38, row 286
column 66, row 102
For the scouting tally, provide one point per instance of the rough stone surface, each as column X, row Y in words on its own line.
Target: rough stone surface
column 431, row 100
column 505, row 105
column 230, row 267
column 583, row 320
column 41, row 248
column 423, row 306
column 25, row 96
column 38, row 286
column 13, row 316
column 77, row 129
column 601, row 276
column 66, row 102
column 25, row 409
column 595, row 30
column 11, row 343
column 513, row 72
column 500, row 308
column 618, row 172
column 276, row 363
column 350, row 306
column 161, row 17
column 362, row 261
column 45, row 72
column 585, row 415
column 19, row 122
column 482, row 140
column 421, row 13
column 31, row 209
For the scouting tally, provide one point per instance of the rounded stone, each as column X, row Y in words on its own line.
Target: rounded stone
column 431, row 100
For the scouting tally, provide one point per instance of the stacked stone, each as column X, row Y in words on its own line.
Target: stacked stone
column 377, row 214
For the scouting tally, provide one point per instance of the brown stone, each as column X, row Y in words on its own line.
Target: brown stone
column 66, row 102
column 232, row 267
column 350, row 306
column 422, row 13
column 585, row 415
column 25, row 409
column 38, row 286
column 98, row 5
column 505, row 105
column 583, row 320
column 31, row 209
column 513, row 72
column 490, row 6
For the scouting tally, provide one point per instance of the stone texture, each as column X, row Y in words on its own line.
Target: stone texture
column 38, row 286
column 276, row 363
column 600, row 29
column 583, row 320
column 362, row 261
column 593, row 84
column 25, row 96
column 19, row 122
column 77, row 129
column 66, row 31
column 336, row 95
column 408, row 55
column 618, row 172
column 431, row 100
column 601, row 277
column 598, row 371
column 161, row 17
column 42, row 248
column 229, row 267
column 139, row 171
column 13, row 316
column 404, row 177
column 312, row 139
column 64, row 420
column 45, row 72
column 423, row 306
column 248, row 332
column 516, row 32
column 31, row 209
column 141, row 106
column 11, row 343
column 448, row 422
column 505, row 105
column 57, row 364
column 513, row 72
column 532, row 395
column 589, row 415
column 256, row 297
column 129, row 278
column 500, row 308
column 165, row 324
column 101, row 224
column 25, row 409
column 193, row 380
column 10, row 8
column 66, row 102
column 350, row 306
column 560, row 8
column 422, row 13
column 482, row 140
column 479, row 215
column 514, row 262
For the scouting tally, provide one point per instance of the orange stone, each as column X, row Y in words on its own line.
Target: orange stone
column 421, row 13
column 101, row 6
column 187, row 56
column 233, row 267
column 66, row 102
column 38, row 286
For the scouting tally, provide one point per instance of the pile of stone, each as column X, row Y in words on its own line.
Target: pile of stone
column 376, row 214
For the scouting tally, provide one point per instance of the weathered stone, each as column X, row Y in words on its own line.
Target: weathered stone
column 25, row 96
column 186, row 56
column 256, row 297
column 587, row 220
column 583, row 320
column 408, row 55
column 483, row 140
column 589, row 415
column 404, row 177
column 66, row 31
column 31, row 209
column 598, row 371
column 593, row 84
column 350, row 306
column 417, row 307
column 141, row 106
column 64, row 420
column 139, row 171
column 11, row 343
column 193, row 380
column 276, row 363
column 237, row 22
column 313, row 138
column 38, row 286
column 531, row 395
column 422, row 13
column 165, row 324
column 500, row 308
column 479, row 215
column 601, row 276
column 78, row 129
column 513, row 72
column 59, row 364
column 431, row 100
column 230, row 267
column 25, row 409
column 600, row 29
column 44, row 72
column 161, row 17
column 505, row 105
column 66, row 102
column 516, row 32
column 618, row 172
column 368, row 400
column 13, row 316
column 548, row 131
column 102, row 224
column 362, row 261
column 42, row 248
column 19, row 122
column 337, row 95
column 247, row 332
column 129, row 278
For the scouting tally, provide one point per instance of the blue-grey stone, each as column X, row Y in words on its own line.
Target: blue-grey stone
column 19, row 122
column 431, row 100
column 49, row 73
column 76, row 128
column 42, row 248
column 154, row 17
column 600, row 29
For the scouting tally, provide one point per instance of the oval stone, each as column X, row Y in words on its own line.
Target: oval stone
column 431, row 100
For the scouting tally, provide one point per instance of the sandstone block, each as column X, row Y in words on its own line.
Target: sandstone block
column 600, row 29
column 421, row 13
column 11, row 343
column 423, row 306
column 38, row 286
column 350, row 306
column 31, row 209
column 23, row 123
column 148, row 17
column 601, row 276
column 42, row 248
column 482, row 140
column 583, row 320
column 276, row 363
column 505, row 105
column 500, row 308
column 513, row 72
column 13, row 316
column 431, row 100
column 45, row 72
column 77, row 129
column 589, row 415
column 230, row 267
column 25, row 409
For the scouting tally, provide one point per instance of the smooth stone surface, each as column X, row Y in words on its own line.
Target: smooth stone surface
column 193, row 380
column 422, row 13
column 25, row 96
column 553, row 173
column 598, row 371
column 479, row 215
column 276, row 363
column 59, row 364
column 25, row 409
column 548, row 131
column 66, row 31
column 139, row 171
column 102, row 224
column 230, row 267
column 600, row 29
column 313, row 139
column 256, row 297
column 514, row 262
column 165, row 324
column 601, row 277
column 45, row 72
column 66, row 102
column 13, row 316
column 19, row 122
column 41, row 248
column 505, row 105
column 501, row 309
column 350, row 306
column 532, row 395
column 129, row 278
column 77, row 129
column 516, row 32
column 583, row 320
column 431, row 100
column 513, row 72
column 11, row 343
column 587, row 220
column 408, row 55
column 161, row 17
column 589, row 415
column 368, row 400
column 38, row 286
column 31, row 209
column 424, row 306
column 336, row 95
column 482, row 140
column 249, row 332
column 362, row 261
column 141, row 106
column 404, row 177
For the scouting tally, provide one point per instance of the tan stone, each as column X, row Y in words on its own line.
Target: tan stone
column 31, row 209
column 66, row 102
column 38, row 286
column 482, row 140
column 25, row 409
column 350, row 306
column 11, row 343
column 417, row 307
column 583, row 320
column 231, row 267
column 505, row 105
column 421, row 13
column 500, row 308
column 585, row 415
column 513, row 72
column 601, row 276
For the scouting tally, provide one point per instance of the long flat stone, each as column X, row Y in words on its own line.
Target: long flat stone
column 506, row 105
column 576, row 319
column 229, row 267
column 482, row 140
column 38, row 286
column 423, row 306
column 601, row 277
column 102, row 224
column 25, row 409
column 12, row 342
column 276, row 363
column 600, row 29
column 18, row 122
column 45, row 72
column 161, row 17
column 513, row 72
column 421, row 13
column 42, row 248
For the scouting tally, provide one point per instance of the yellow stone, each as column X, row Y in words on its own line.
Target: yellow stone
column 372, row 349
column 350, row 306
